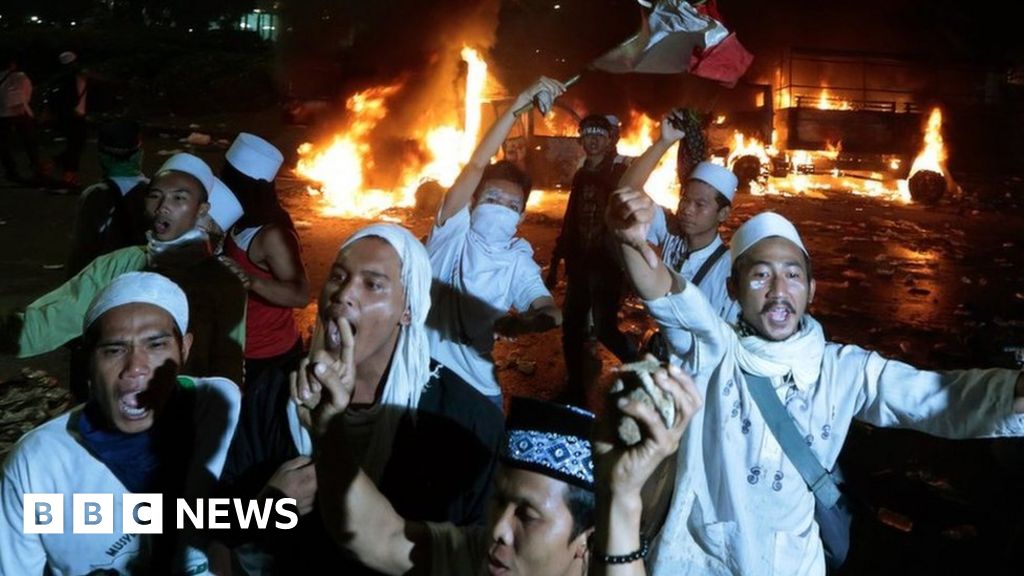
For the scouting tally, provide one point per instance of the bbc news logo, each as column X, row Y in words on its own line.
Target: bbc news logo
column 144, row 513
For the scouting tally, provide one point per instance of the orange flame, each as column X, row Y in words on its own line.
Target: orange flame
column 339, row 167
column 825, row 102
column 933, row 154
column 663, row 185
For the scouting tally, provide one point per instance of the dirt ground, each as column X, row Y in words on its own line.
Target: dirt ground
column 938, row 287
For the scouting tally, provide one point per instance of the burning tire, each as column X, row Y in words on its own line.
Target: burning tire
column 747, row 169
column 927, row 186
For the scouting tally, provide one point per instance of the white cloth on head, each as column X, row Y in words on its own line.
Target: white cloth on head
column 193, row 166
column 410, row 364
column 476, row 282
column 761, row 226
column 225, row 209
column 67, row 57
column 254, row 157
column 718, row 177
column 140, row 288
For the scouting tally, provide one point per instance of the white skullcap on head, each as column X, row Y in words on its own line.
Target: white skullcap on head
column 410, row 365
column 193, row 166
column 718, row 177
column 613, row 120
column 67, row 57
column 225, row 209
column 761, row 226
column 254, row 157
column 140, row 288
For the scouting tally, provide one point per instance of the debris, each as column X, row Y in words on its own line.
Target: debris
column 170, row 152
column 885, row 271
column 198, row 139
column 895, row 520
column 302, row 224
column 193, row 126
column 635, row 382
column 965, row 280
column 962, row 532
column 52, row 266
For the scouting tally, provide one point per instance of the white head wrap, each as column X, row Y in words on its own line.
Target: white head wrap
column 141, row 288
column 410, row 365
column 718, row 177
column 254, row 157
column 761, row 226
column 67, row 57
column 225, row 209
column 193, row 166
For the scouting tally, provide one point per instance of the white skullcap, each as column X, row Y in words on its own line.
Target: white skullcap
column 193, row 166
column 67, row 57
column 140, row 288
column 718, row 177
column 613, row 120
column 254, row 157
column 761, row 226
column 225, row 209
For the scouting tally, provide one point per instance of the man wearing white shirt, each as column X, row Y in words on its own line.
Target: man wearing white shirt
column 481, row 268
column 689, row 240
column 743, row 507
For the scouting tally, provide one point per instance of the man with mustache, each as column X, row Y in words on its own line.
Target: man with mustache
column 481, row 268
column 542, row 512
column 740, row 504
column 183, row 201
column 145, row 428
column 424, row 435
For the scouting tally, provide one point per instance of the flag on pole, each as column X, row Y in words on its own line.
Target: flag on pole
column 676, row 36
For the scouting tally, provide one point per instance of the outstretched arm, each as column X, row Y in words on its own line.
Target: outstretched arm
column 622, row 472
column 461, row 192
column 640, row 169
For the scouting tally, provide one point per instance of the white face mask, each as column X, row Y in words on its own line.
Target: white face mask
column 494, row 223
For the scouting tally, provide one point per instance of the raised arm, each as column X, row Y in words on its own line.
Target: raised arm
column 622, row 473
column 629, row 216
column 461, row 192
column 640, row 169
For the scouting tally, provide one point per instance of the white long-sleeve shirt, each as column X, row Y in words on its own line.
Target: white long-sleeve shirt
column 740, row 506
column 49, row 459
column 675, row 253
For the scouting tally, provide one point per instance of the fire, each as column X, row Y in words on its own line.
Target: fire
column 743, row 146
column 933, row 155
column 825, row 102
column 341, row 166
column 663, row 185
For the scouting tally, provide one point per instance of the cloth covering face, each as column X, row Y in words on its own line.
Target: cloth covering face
column 742, row 507
column 475, row 283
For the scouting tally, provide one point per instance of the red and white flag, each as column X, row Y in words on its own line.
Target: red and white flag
column 676, row 36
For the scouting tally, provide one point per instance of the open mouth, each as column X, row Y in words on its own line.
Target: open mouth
column 161, row 226
column 333, row 330
column 495, row 566
column 778, row 313
column 131, row 408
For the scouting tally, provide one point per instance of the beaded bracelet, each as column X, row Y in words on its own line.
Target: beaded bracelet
column 626, row 558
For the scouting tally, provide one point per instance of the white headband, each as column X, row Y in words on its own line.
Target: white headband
column 140, row 288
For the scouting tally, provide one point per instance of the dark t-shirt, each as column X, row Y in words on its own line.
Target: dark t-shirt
column 440, row 467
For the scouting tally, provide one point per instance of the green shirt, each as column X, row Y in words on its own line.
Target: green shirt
column 216, row 311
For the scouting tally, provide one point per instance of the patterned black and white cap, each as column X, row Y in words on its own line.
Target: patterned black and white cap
column 550, row 439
